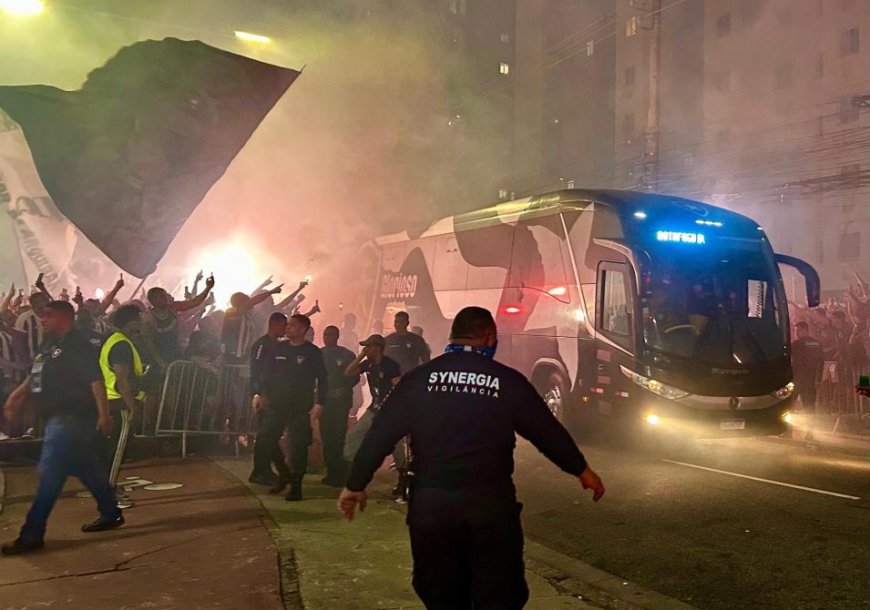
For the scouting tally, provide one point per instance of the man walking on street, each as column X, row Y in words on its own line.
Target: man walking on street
column 67, row 387
column 462, row 411
column 295, row 373
column 405, row 347
column 382, row 373
column 409, row 350
column 339, row 399
column 262, row 369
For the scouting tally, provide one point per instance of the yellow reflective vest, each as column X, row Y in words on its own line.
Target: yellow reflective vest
column 109, row 375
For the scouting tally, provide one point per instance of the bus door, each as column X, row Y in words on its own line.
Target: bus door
column 614, row 334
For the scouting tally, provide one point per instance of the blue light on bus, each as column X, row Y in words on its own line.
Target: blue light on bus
column 680, row 237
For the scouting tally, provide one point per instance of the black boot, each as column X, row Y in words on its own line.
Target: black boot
column 295, row 492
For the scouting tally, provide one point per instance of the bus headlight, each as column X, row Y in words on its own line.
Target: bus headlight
column 656, row 387
column 786, row 417
column 785, row 391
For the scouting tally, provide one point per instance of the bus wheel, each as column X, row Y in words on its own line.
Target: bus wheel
column 552, row 389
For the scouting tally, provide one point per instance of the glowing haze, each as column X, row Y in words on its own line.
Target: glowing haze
column 359, row 146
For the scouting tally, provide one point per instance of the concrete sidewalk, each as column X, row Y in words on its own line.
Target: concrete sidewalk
column 366, row 564
column 205, row 544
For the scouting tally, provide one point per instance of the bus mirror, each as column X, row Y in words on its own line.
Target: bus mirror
column 811, row 277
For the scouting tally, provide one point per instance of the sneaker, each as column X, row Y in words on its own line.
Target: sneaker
column 101, row 526
column 263, row 479
column 20, row 546
column 124, row 502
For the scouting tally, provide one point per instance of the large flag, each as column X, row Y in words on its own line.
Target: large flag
column 129, row 156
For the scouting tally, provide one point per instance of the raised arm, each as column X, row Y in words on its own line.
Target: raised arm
column 355, row 368
column 315, row 309
column 284, row 303
column 197, row 300
column 110, row 297
column 259, row 298
column 41, row 285
column 7, row 300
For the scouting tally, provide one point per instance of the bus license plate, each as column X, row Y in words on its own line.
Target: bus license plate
column 732, row 424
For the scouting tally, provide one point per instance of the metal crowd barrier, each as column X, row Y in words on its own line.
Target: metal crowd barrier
column 205, row 399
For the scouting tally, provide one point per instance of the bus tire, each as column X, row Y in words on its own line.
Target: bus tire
column 553, row 388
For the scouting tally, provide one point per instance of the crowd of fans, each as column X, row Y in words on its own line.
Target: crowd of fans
column 194, row 328
column 841, row 325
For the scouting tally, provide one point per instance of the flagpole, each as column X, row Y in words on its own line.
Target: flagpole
column 139, row 287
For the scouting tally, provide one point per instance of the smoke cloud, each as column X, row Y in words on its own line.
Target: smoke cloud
column 360, row 146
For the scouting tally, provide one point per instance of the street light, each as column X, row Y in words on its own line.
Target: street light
column 247, row 36
column 22, row 7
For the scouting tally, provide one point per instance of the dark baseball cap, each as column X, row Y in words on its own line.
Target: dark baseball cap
column 374, row 340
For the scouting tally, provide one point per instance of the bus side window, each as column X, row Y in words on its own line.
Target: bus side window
column 614, row 315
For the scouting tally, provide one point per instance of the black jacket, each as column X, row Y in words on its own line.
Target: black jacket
column 462, row 411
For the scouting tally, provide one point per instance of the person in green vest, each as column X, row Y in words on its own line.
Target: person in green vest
column 122, row 371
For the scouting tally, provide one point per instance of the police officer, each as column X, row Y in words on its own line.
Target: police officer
column 295, row 373
column 67, row 387
column 262, row 365
column 461, row 411
column 339, row 400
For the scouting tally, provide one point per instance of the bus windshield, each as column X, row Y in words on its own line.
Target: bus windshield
column 720, row 305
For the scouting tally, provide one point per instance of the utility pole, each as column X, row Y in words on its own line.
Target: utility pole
column 651, row 134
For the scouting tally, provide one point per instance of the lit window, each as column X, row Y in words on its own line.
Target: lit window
column 502, row 193
column 631, row 27
column 504, row 68
column 504, row 37
column 590, row 48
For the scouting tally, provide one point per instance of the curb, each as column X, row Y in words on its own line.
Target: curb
column 288, row 575
column 2, row 489
column 589, row 583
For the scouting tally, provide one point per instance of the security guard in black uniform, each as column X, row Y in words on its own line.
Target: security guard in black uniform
column 462, row 411
column 295, row 372
column 67, row 386
column 262, row 364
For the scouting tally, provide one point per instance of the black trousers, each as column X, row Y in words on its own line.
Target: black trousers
column 292, row 416
column 333, row 430
column 467, row 546
column 806, row 390
column 267, row 451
